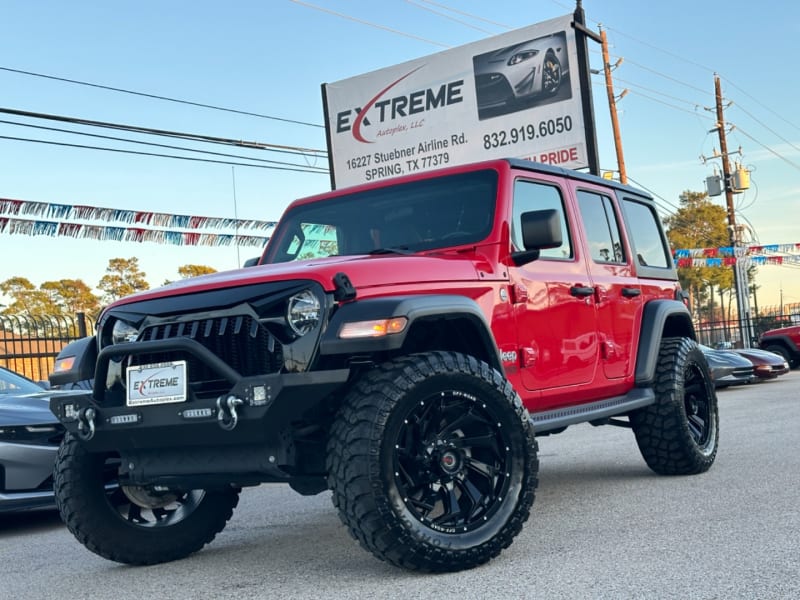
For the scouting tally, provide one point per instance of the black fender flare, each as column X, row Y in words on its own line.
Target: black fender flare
column 415, row 308
column 84, row 352
column 660, row 318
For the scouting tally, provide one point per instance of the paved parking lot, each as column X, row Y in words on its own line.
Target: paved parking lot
column 603, row 526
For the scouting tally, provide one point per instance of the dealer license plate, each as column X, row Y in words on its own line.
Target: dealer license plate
column 160, row 383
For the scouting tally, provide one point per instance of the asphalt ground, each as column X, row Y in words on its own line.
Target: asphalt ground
column 603, row 526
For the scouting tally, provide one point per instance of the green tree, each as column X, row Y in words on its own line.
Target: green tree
column 25, row 298
column 123, row 277
column 699, row 223
column 187, row 271
column 72, row 296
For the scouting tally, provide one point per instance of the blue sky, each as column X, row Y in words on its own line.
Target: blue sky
column 270, row 57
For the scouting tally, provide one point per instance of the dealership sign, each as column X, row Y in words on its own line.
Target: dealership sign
column 512, row 95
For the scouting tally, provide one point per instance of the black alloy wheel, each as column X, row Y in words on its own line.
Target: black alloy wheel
column 451, row 462
column 432, row 462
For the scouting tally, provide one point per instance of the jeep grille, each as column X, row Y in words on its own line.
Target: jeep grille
column 239, row 340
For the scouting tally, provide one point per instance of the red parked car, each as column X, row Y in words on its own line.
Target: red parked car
column 766, row 365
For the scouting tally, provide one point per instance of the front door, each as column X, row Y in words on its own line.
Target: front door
column 554, row 303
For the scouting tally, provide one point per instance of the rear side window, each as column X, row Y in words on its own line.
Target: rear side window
column 645, row 233
column 602, row 228
column 532, row 195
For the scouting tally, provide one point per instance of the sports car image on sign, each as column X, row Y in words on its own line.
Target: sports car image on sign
column 521, row 75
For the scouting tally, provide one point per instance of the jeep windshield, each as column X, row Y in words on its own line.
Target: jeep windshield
column 421, row 215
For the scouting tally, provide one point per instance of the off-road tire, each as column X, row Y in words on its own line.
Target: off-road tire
column 433, row 462
column 679, row 434
column 86, row 494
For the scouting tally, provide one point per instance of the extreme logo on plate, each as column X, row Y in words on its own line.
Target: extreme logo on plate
column 160, row 383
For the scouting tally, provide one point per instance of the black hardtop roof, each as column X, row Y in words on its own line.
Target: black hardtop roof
column 528, row 165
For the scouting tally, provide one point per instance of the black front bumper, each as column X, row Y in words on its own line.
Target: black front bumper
column 200, row 435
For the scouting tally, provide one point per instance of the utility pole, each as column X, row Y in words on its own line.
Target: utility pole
column 739, row 272
column 612, row 105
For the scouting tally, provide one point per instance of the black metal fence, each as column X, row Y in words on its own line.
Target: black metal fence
column 731, row 333
column 29, row 344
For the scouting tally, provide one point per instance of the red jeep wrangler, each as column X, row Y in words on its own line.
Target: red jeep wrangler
column 398, row 343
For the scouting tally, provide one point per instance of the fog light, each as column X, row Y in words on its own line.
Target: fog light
column 124, row 419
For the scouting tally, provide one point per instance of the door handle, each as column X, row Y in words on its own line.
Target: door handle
column 631, row 292
column 581, row 290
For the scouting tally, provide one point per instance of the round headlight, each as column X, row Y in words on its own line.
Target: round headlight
column 123, row 332
column 303, row 312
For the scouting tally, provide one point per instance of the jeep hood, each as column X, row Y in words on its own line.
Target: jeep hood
column 364, row 272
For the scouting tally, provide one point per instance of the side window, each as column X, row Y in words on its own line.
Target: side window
column 531, row 195
column 602, row 228
column 646, row 235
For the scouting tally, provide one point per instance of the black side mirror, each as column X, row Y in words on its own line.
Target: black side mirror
column 541, row 229
column 252, row 262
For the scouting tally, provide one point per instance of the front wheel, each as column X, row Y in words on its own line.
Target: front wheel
column 432, row 462
column 679, row 433
column 134, row 524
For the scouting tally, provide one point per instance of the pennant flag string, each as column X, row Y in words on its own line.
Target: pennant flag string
column 81, row 212
column 748, row 261
column 724, row 251
column 16, row 226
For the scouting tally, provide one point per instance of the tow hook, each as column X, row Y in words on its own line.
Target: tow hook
column 227, row 417
column 86, row 423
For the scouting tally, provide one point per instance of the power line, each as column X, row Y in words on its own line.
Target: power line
column 660, row 93
column 768, row 109
column 168, row 146
column 768, row 149
column 163, row 132
column 158, row 97
column 446, row 16
column 375, row 25
column 119, row 150
column 772, row 131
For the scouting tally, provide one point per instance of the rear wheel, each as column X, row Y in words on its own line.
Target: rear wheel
column 138, row 525
column 432, row 462
column 679, row 433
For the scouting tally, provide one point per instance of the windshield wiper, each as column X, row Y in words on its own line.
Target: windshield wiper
column 393, row 250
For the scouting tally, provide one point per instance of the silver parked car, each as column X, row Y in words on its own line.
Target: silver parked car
column 29, row 439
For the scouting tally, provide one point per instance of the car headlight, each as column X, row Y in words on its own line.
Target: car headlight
column 521, row 57
column 303, row 312
column 123, row 332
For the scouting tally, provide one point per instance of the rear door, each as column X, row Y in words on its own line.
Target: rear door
column 618, row 295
